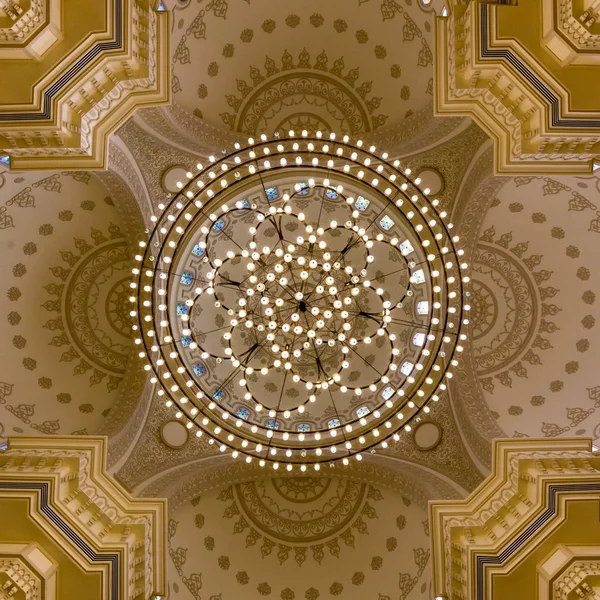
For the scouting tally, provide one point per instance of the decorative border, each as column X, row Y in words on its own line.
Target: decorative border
column 554, row 101
column 66, row 77
column 68, row 532
column 553, row 490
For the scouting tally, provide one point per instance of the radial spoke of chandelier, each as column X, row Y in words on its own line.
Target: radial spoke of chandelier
column 397, row 321
column 174, row 342
column 312, row 250
column 323, row 277
column 359, row 355
column 404, row 268
column 235, row 369
column 318, row 356
column 276, row 281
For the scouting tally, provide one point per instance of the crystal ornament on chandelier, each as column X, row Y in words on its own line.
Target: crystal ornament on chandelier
column 345, row 288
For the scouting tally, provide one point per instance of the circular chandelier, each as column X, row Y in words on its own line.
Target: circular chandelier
column 299, row 301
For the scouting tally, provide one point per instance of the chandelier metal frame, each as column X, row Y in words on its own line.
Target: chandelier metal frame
column 202, row 201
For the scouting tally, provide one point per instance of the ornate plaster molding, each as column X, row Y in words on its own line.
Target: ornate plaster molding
column 100, row 526
column 568, row 34
column 523, row 107
column 84, row 95
column 511, row 514
column 29, row 572
column 472, row 412
column 29, row 28
column 184, row 482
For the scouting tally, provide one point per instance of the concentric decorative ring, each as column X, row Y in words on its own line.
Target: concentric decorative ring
column 297, row 312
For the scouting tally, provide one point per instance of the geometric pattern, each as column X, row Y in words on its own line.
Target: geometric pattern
column 510, row 532
column 515, row 90
column 65, row 103
column 72, row 499
column 23, row 568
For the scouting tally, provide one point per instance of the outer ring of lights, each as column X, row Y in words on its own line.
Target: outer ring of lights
column 200, row 200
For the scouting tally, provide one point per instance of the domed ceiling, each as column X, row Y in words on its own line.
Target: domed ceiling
column 65, row 322
column 299, row 538
column 265, row 66
column 534, row 297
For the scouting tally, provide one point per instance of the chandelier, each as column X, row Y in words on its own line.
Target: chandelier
column 299, row 301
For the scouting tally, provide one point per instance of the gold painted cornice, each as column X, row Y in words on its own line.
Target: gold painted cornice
column 73, row 499
column 66, row 90
column 536, row 487
column 531, row 103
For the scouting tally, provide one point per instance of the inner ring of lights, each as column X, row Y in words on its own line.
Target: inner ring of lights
column 298, row 296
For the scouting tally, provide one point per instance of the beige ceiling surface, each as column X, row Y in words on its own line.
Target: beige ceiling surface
column 535, row 287
column 269, row 66
column 299, row 539
column 64, row 318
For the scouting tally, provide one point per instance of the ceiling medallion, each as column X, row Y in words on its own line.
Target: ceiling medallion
column 299, row 301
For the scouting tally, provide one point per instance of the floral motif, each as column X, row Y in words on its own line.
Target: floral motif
column 588, row 321
column 229, row 49
column 93, row 286
column 19, row 270
column 389, row 8
column 336, row 588
column 242, row 578
column 316, row 20
column 29, row 363
column 292, row 21
column 340, row 25
column 259, row 103
column 209, row 543
column 247, row 35
column 538, row 217
column 499, row 274
column 425, row 57
column 45, row 383
column 13, row 294
column 380, row 52
column 362, row 37
column 588, row 297
column 583, row 273
column 268, row 26
column 264, row 589
column 19, row 342
column 14, row 318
